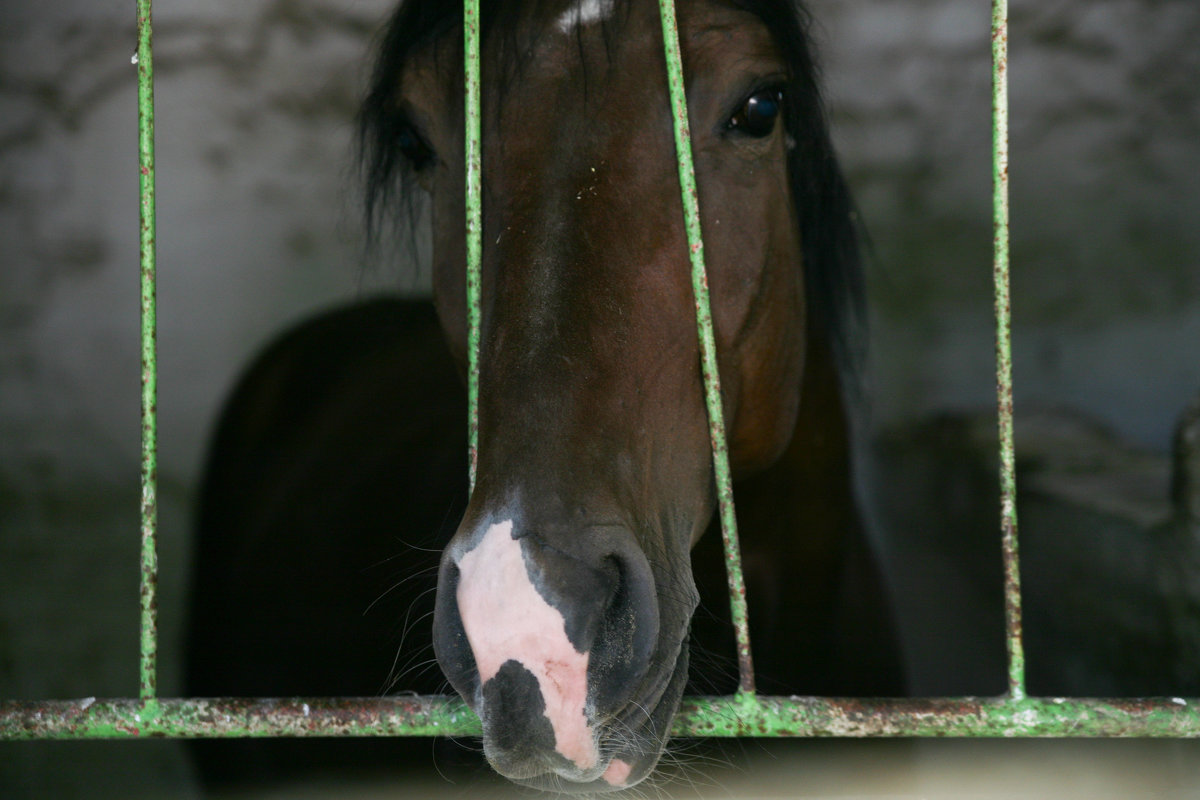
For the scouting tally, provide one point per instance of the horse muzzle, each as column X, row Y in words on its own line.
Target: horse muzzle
column 551, row 636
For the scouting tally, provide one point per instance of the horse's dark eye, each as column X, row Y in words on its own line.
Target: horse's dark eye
column 757, row 115
column 414, row 148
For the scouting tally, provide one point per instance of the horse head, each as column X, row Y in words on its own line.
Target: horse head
column 564, row 599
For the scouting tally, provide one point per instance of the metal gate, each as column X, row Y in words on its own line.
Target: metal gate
column 743, row 714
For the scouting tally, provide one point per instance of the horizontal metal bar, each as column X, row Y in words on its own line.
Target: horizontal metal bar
column 946, row 716
column 741, row 715
column 237, row 717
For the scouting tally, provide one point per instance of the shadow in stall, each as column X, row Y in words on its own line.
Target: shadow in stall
column 1109, row 550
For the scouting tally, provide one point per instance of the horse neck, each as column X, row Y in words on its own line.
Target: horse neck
column 801, row 538
column 804, row 504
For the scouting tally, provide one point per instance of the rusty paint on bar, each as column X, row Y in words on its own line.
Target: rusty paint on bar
column 148, row 660
column 708, row 348
column 741, row 715
column 1004, row 389
column 474, row 232
column 924, row 717
column 90, row 718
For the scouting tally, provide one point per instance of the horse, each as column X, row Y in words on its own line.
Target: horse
column 567, row 585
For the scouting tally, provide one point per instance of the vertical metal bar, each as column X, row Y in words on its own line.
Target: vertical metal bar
column 474, row 168
column 149, row 478
column 708, row 348
column 1008, row 481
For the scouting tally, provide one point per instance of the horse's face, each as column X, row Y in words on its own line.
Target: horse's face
column 564, row 599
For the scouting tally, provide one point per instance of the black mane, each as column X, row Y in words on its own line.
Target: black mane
column 828, row 227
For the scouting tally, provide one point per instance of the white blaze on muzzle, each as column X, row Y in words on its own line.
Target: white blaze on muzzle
column 507, row 619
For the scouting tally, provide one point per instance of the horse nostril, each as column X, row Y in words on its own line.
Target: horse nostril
column 628, row 631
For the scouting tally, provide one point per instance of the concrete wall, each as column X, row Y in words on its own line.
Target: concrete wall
column 257, row 228
column 1105, row 171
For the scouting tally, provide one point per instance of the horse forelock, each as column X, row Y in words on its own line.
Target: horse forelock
column 829, row 229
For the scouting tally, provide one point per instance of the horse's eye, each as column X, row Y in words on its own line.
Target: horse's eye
column 758, row 114
column 414, row 148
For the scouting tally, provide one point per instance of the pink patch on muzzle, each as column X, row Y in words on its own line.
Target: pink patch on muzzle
column 617, row 773
column 507, row 619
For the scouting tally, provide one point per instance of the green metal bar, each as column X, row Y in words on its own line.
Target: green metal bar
column 474, row 167
column 148, row 682
column 963, row 716
column 740, row 715
column 708, row 347
column 90, row 718
column 1004, row 391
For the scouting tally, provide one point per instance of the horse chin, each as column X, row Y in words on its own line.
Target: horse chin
column 633, row 741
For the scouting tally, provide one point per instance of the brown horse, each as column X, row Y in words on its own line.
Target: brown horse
column 566, row 595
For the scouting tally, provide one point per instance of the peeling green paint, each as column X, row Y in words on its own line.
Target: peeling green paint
column 144, row 60
column 474, row 231
column 738, row 716
column 708, row 347
column 925, row 717
column 1004, row 387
